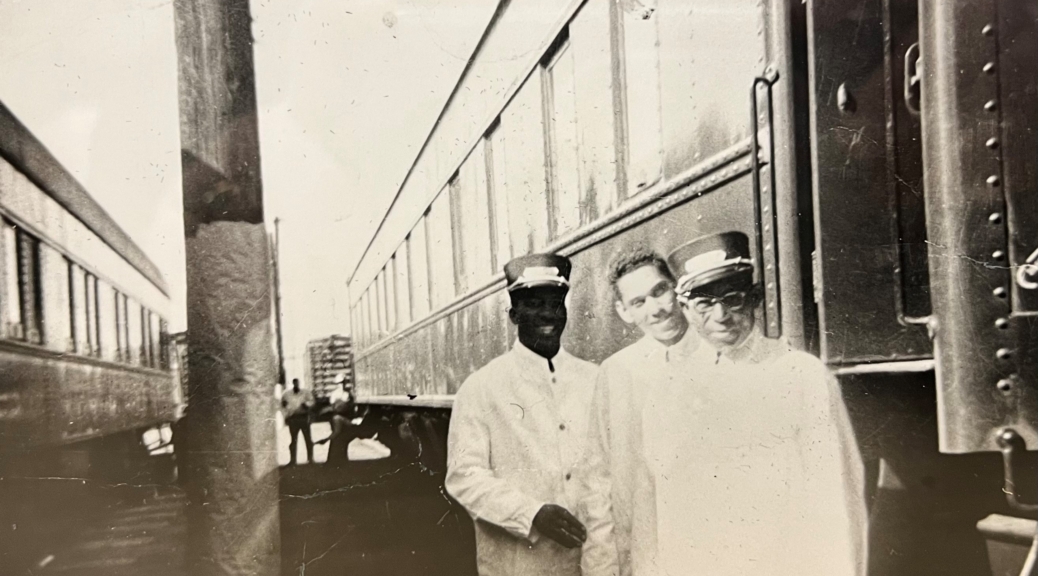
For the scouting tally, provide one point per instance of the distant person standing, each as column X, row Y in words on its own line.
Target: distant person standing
column 296, row 405
column 517, row 438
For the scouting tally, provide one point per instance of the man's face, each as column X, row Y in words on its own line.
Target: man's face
column 722, row 313
column 540, row 316
column 647, row 300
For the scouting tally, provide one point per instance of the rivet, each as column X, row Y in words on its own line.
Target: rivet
column 1005, row 385
column 990, row 105
column 992, row 143
column 989, row 67
column 1003, row 354
column 995, row 218
column 992, row 180
column 768, row 267
column 998, row 255
column 999, row 292
column 1001, row 323
column 771, row 285
column 988, row 30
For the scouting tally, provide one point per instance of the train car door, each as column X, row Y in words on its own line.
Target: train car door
column 980, row 150
column 870, row 275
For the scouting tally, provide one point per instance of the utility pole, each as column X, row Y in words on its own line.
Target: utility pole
column 277, row 301
column 226, row 444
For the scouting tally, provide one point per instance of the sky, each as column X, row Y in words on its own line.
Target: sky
column 347, row 90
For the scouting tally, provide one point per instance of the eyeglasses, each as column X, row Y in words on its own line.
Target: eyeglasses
column 732, row 301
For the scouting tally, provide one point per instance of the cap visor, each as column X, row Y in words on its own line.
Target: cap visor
column 729, row 272
column 535, row 283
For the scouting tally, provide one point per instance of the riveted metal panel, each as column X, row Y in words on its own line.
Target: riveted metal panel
column 985, row 354
column 859, row 273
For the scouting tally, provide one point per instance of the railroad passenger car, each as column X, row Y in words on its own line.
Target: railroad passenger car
column 880, row 152
column 84, row 360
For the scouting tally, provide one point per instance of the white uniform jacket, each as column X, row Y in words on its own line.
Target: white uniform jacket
column 624, row 381
column 752, row 467
column 517, row 441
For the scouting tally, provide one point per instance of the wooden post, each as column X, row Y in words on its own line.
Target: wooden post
column 226, row 444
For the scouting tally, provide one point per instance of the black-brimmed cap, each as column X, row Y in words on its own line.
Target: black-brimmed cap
column 537, row 270
column 709, row 259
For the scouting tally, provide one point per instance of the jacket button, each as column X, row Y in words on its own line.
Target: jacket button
column 568, row 475
column 562, row 426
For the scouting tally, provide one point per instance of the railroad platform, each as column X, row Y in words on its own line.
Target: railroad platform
column 366, row 518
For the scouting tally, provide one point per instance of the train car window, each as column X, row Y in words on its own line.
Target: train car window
column 128, row 346
column 93, row 299
column 105, row 331
column 642, row 116
column 561, row 112
column 494, row 156
column 362, row 315
column 597, row 98
column 31, row 288
column 373, row 308
column 441, row 251
column 703, row 103
column 525, row 168
column 471, row 211
column 155, row 342
column 403, row 285
column 54, row 297
column 78, row 309
column 13, row 327
column 454, row 190
column 380, row 302
column 355, row 328
column 389, row 280
column 371, row 311
column 135, row 341
column 145, row 337
column 120, row 327
column 164, row 344
column 419, row 259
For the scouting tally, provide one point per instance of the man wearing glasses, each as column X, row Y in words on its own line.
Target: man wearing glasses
column 747, row 455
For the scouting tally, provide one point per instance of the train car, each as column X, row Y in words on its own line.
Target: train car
column 84, row 352
column 880, row 154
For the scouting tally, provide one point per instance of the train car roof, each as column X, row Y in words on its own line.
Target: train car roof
column 510, row 48
column 23, row 150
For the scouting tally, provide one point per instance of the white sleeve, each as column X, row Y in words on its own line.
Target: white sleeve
column 599, row 553
column 835, row 472
column 471, row 481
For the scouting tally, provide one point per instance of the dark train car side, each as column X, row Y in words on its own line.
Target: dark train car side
column 83, row 333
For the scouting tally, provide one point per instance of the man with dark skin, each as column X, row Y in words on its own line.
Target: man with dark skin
column 518, row 436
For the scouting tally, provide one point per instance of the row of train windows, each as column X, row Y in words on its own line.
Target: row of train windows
column 539, row 173
column 48, row 300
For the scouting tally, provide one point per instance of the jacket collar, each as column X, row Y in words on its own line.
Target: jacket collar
column 755, row 349
column 531, row 362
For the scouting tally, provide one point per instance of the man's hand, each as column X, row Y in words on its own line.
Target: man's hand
column 557, row 523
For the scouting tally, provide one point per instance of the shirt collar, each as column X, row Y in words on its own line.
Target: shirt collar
column 531, row 362
column 681, row 350
column 754, row 350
